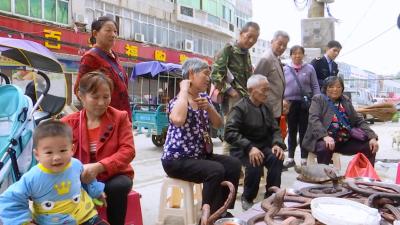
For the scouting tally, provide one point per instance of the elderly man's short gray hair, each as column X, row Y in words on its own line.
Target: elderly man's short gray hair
column 195, row 64
column 280, row 33
column 255, row 79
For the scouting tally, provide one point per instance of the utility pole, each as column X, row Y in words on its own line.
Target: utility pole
column 317, row 30
column 316, row 9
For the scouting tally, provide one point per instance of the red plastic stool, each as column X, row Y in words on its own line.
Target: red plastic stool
column 133, row 211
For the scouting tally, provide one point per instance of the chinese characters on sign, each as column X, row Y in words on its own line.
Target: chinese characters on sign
column 160, row 55
column 131, row 50
column 55, row 35
column 182, row 58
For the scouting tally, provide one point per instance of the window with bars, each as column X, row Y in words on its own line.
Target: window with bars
column 5, row 5
column 49, row 10
column 154, row 30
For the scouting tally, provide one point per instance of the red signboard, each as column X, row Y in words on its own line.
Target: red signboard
column 68, row 41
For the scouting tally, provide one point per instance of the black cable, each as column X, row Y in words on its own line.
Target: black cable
column 369, row 41
column 359, row 21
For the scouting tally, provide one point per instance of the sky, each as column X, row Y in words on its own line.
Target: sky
column 360, row 24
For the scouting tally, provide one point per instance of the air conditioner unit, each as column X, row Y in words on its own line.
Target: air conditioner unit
column 81, row 19
column 188, row 45
column 231, row 27
column 139, row 37
column 187, row 11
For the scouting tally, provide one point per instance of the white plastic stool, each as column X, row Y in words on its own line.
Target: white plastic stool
column 312, row 159
column 191, row 209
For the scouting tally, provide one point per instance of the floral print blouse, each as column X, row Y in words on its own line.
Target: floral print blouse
column 186, row 141
column 337, row 130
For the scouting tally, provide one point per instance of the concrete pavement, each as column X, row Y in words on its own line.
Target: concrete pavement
column 149, row 172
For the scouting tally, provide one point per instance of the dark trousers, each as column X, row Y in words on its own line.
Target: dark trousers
column 253, row 175
column 211, row 172
column 117, row 189
column 297, row 119
column 349, row 147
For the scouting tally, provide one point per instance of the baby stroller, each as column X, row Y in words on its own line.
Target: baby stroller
column 17, row 120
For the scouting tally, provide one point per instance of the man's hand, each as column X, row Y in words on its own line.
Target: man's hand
column 329, row 143
column 256, row 157
column 278, row 152
column 373, row 145
column 90, row 172
column 233, row 93
column 285, row 107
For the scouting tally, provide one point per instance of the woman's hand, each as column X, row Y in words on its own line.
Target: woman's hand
column 184, row 85
column 202, row 103
column 329, row 143
column 373, row 145
column 90, row 172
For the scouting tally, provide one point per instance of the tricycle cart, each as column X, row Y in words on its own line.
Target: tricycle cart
column 149, row 107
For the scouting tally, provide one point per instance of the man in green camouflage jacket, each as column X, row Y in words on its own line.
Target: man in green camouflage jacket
column 232, row 67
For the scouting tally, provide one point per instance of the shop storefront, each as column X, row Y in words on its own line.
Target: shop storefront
column 70, row 44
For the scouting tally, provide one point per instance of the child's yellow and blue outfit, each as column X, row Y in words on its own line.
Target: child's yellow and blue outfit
column 58, row 198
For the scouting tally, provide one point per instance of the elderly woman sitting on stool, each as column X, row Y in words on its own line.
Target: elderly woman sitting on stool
column 331, row 119
column 185, row 156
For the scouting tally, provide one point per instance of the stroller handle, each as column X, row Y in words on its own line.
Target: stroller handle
column 5, row 77
column 46, row 79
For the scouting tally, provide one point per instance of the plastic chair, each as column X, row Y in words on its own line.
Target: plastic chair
column 173, row 193
column 312, row 159
column 133, row 210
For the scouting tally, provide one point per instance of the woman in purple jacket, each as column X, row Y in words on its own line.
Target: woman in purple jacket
column 301, row 85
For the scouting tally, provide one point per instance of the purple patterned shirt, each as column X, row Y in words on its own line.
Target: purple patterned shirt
column 186, row 141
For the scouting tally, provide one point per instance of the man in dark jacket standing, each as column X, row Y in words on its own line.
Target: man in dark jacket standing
column 255, row 139
column 325, row 66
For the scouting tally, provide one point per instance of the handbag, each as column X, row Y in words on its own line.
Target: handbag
column 355, row 132
column 208, row 145
column 215, row 95
column 306, row 97
column 358, row 134
column 112, row 63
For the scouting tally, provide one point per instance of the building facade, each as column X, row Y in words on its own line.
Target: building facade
column 163, row 30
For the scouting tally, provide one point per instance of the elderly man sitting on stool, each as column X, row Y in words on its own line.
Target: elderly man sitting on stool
column 256, row 139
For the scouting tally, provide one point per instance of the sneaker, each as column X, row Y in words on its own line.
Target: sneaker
column 289, row 163
column 303, row 162
column 246, row 205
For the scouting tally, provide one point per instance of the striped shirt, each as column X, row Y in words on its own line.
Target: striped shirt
column 93, row 139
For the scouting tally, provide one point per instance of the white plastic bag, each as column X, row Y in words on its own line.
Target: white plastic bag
column 338, row 211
